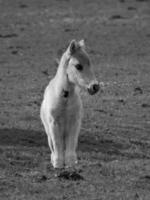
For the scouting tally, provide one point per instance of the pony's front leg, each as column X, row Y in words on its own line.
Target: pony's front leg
column 56, row 138
column 71, row 142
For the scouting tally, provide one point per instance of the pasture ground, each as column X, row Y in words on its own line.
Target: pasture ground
column 114, row 144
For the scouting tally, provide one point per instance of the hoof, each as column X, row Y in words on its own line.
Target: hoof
column 71, row 161
column 57, row 163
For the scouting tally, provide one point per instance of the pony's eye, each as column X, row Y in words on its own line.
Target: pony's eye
column 79, row 67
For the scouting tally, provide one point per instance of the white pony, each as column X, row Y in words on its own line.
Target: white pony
column 61, row 109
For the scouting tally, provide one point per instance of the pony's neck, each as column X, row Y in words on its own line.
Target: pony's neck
column 63, row 83
column 61, row 73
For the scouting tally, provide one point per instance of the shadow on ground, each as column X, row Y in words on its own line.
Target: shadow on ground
column 91, row 143
column 15, row 137
column 110, row 148
column 28, row 138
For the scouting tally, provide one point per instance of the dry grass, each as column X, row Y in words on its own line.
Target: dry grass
column 114, row 145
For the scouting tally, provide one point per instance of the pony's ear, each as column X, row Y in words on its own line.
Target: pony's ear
column 82, row 43
column 73, row 47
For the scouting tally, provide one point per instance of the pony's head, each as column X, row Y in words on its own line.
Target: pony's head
column 79, row 70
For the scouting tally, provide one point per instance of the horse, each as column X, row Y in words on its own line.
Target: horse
column 61, row 109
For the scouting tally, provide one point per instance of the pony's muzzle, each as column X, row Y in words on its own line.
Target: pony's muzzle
column 93, row 88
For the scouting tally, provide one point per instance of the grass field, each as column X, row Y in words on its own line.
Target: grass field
column 114, row 143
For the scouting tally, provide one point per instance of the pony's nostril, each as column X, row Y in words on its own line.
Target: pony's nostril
column 93, row 89
column 96, row 87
